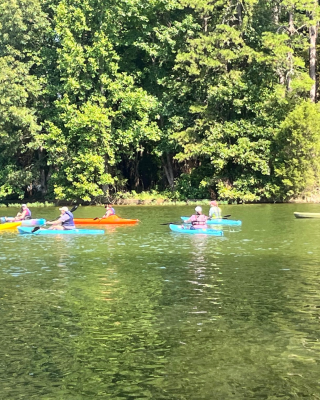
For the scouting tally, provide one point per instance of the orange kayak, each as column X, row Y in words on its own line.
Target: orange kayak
column 113, row 219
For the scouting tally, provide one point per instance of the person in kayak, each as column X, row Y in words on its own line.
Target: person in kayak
column 215, row 210
column 64, row 222
column 109, row 211
column 198, row 220
column 23, row 214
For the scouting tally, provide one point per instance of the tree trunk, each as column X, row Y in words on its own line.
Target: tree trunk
column 276, row 13
column 291, row 30
column 43, row 174
column 168, row 170
column 313, row 33
column 239, row 13
column 135, row 176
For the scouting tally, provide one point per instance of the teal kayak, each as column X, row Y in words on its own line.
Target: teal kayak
column 28, row 230
column 186, row 229
column 220, row 221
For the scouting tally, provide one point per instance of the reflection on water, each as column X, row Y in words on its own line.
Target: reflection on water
column 143, row 313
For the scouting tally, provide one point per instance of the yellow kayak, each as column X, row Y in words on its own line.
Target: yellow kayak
column 26, row 222
column 9, row 225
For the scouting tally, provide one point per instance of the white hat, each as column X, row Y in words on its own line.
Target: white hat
column 198, row 209
column 23, row 205
column 64, row 209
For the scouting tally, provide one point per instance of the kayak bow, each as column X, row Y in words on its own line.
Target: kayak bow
column 306, row 215
column 9, row 225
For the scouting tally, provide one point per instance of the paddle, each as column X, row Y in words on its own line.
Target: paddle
column 38, row 227
column 173, row 223
column 224, row 217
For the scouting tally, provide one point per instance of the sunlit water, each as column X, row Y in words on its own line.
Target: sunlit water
column 143, row 313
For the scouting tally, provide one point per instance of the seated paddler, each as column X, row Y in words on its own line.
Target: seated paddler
column 198, row 220
column 215, row 210
column 109, row 211
column 23, row 214
column 64, row 222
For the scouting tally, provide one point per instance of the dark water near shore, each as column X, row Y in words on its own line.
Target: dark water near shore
column 144, row 313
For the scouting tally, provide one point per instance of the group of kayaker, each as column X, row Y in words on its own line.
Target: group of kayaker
column 65, row 220
column 199, row 220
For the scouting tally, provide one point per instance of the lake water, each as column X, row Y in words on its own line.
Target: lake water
column 143, row 313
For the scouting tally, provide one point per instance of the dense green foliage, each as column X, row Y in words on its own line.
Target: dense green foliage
column 205, row 99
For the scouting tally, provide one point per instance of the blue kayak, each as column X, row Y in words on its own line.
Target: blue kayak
column 186, row 229
column 28, row 230
column 219, row 221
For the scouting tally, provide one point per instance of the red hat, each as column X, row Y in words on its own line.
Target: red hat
column 213, row 203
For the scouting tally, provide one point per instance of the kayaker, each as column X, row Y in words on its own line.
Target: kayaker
column 215, row 210
column 23, row 214
column 64, row 222
column 198, row 220
column 109, row 211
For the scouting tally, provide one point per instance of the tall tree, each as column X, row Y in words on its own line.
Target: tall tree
column 101, row 114
column 23, row 27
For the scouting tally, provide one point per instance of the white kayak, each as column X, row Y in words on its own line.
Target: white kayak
column 306, row 215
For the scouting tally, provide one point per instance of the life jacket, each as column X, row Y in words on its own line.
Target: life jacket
column 200, row 220
column 28, row 214
column 70, row 221
column 113, row 211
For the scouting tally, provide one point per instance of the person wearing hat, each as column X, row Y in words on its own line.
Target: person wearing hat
column 24, row 213
column 65, row 221
column 109, row 211
column 198, row 220
column 215, row 211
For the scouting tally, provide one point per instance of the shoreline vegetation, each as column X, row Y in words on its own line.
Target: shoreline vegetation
column 149, row 199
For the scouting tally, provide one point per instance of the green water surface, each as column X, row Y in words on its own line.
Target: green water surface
column 144, row 313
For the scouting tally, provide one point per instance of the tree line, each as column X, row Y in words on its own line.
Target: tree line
column 198, row 98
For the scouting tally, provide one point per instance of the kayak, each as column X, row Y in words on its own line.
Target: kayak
column 33, row 222
column 306, row 215
column 113, row 219
column 28, row 230
column 26, row 222
column 9, row 225
column 220, row 221
column 184, row 229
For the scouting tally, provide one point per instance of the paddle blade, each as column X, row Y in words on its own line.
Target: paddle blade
column 96, row 218
column 172, row 223
column 226, row 216
column 74, row 208
column 35, row 229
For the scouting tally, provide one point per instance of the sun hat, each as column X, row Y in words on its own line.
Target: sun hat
column 213, row 203
column 198, row 209
column 23, row 205
column 64, row 209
